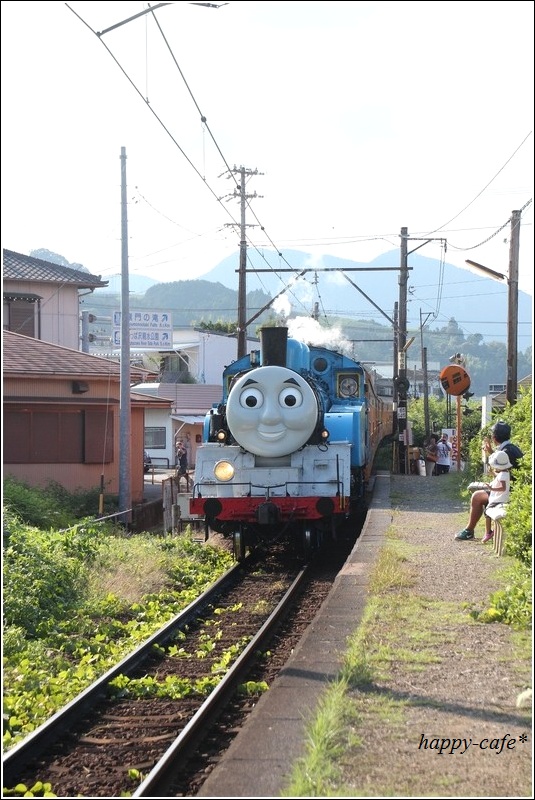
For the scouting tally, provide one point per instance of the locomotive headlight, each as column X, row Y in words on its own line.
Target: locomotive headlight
column 221, row 435
column 324, row 435
column 224, row 471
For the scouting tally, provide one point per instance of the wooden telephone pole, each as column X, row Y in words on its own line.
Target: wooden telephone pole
column 125, row 488
column 512, row 309
column 242, row 270
column 402, row 382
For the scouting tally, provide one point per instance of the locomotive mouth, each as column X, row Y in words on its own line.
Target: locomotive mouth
column 272, row 436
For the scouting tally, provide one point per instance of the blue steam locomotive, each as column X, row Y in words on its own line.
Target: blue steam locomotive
column 290, row 447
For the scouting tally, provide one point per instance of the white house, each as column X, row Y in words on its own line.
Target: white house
column 189, row 405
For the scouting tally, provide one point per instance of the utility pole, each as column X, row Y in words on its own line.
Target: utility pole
column 400, row 382
column 85, row 332
column 395, row 398
column 512, row 309
column 512, row 303
column 425, row 376
column 125, row 488
column 402, row 356
column 242, row 271
column 425, row 379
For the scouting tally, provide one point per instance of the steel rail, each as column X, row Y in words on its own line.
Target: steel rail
column 156, row 783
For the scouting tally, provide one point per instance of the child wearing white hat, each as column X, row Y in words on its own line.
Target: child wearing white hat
column 499, row 489
column 497, row 493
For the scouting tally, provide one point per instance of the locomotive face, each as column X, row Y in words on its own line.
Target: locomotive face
column 271, row 411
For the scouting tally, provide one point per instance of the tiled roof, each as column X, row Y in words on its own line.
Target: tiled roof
column 190, row 398
column 24, row 355
column 18, row 267
column 500, row 400
column 148, row 400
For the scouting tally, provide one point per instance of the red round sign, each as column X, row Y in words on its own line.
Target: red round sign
column 455, row 380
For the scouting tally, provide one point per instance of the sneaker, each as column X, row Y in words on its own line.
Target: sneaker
column 465, row 535
column 487, row 537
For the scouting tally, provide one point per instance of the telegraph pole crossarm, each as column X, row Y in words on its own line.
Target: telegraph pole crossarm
column 322, row 269
column 148, row 11
column 267, row 305
column 424, row 242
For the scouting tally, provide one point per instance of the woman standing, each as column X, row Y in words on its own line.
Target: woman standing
column 431, row 455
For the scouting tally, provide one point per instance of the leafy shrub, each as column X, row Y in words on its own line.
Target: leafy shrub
column 34, row 506
column 43, row 576
column 518, row 524
column 52, row 506
column 513, row 604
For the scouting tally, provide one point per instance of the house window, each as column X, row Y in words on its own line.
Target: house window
column 174, row 368
column 58, row 437
column 21, row 313
column 156, row 438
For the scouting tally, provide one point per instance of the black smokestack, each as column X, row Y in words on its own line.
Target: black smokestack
column 273, row 342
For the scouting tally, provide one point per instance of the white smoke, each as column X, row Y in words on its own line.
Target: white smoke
column 281, row 305
column 309, row 331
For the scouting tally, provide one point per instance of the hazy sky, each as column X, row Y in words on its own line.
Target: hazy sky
column 360, row 118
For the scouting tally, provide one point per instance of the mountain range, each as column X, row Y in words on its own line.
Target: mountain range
column 436, row 291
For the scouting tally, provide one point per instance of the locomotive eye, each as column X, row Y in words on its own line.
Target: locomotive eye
column 290, row 398
column 251, row 398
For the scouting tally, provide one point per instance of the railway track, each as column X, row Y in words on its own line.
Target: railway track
column 145, row 739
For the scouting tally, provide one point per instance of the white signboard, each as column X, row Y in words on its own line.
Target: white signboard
column 148, row 329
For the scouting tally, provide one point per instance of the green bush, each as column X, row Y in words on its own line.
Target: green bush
column 518, row 524
column 513, row 604
column 44, row 574
column 52, row 506
column 36, row 507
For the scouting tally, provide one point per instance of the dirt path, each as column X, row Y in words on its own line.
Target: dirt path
column 442, row 719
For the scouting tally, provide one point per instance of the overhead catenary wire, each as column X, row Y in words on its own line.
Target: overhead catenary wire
column 166, row 129
column 204, row 122
column 485, row 187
